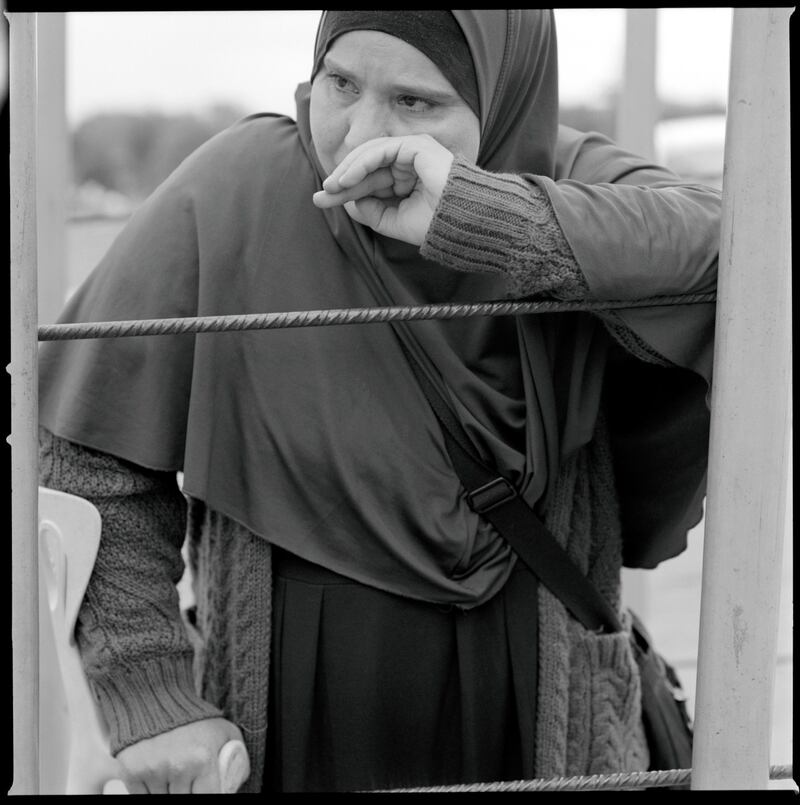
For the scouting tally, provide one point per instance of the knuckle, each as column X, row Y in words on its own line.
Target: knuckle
column 188, row 762
column 201, row 757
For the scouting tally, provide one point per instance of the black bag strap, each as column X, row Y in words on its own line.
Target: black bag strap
column 494, row 497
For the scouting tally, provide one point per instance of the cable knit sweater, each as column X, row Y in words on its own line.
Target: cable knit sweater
column 151, row 670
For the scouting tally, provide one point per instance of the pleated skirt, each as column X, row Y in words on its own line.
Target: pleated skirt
column 372, row 691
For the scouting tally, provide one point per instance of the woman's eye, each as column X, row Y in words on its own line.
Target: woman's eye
column 341, row 83
column 412, row 103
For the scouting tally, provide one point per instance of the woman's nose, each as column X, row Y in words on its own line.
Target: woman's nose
column 367, row 121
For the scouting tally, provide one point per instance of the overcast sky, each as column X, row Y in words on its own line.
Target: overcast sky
column 183, row 61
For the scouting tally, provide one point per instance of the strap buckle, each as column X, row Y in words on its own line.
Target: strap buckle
column 489, row 496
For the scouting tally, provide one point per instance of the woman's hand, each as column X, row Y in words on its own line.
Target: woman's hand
column 391, row 184
column 184, row 760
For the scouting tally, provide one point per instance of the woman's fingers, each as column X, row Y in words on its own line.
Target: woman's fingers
column 410, row 159
column 367, row 211
column 391, row 184
column 362, row 161
column 379, row 184
column 135, row 786
column 180, row 784
column 168, row 777
column 181, row 761
column 207, row 783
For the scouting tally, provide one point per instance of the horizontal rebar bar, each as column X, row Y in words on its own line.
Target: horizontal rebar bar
column 358, row 315
column 622, row 781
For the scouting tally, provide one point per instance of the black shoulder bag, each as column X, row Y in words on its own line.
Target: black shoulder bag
column 666, row 721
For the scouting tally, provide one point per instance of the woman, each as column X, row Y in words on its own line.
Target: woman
column 357, row 623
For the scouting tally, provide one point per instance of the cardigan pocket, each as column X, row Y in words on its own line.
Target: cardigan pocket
column 605, row 733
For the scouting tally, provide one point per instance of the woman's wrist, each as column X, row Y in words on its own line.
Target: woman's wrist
column 499, row 222
column 148, row 698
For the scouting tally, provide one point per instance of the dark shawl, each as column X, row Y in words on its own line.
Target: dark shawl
column 319, row 439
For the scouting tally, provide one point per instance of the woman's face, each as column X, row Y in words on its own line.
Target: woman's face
column 373, row 85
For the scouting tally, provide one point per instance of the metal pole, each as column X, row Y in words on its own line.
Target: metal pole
column 52, row 161
column 24, row 402
column 746, row 505
column 637, row 110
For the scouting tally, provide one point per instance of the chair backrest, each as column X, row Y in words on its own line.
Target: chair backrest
column 74, row 756
column 74, row 749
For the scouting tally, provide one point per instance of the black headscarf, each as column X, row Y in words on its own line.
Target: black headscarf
column 434, row 33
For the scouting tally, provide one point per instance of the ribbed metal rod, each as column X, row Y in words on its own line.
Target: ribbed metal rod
column 595, row 782
column 359, row 315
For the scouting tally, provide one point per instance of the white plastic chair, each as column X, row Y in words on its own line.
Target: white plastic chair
column 74, row 750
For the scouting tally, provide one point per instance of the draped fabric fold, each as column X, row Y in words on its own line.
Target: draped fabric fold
column 318, row 439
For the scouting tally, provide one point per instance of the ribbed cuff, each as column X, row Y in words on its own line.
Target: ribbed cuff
column 148, row 699
column 630, row 341
column 498, row 222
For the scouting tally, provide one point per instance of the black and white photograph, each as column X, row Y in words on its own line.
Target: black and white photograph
column 400, row 400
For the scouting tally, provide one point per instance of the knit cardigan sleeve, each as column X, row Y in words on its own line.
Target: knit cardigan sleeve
column 499, row 222
column 135, row 648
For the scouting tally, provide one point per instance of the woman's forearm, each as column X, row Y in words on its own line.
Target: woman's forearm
column 135, row 648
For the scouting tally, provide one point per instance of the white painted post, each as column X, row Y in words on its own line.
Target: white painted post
column 24, row 403
column 746, row 502
column 637, row 113
column 637, row 109
column 52, row 164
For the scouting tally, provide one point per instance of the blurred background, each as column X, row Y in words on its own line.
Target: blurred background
column 125, row 96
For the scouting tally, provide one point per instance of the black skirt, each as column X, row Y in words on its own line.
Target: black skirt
column 372, row 691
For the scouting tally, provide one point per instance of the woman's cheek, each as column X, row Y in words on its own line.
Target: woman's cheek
column 326, row 129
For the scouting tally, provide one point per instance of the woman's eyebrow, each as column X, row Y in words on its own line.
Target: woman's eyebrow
column 330, row 64
column 398, row 86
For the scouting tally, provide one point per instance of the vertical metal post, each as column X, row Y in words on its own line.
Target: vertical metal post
column 637, row 113
column 637, row 110
column 24, row 403
column 749, row 446
column 52, row 164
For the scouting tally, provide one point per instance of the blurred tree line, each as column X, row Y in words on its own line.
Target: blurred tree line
column 131, row 154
